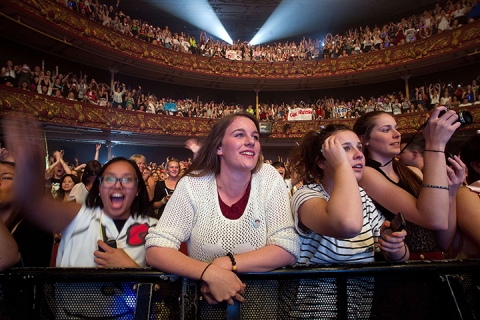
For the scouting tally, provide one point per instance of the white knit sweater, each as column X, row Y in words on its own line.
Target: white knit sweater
column 193, row 215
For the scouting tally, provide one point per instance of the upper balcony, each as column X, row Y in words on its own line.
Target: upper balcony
column 51, row 27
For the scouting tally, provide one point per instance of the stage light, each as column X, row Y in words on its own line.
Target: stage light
column 198, row 13
column 290, row 18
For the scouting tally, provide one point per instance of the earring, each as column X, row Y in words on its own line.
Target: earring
column 136, row 195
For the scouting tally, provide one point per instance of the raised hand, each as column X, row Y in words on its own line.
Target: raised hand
column 333, row 152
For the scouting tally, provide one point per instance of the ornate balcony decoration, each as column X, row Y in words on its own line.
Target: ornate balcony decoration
column 54, row 19
column 61, row 112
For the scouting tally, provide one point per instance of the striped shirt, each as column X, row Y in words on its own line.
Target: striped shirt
column 319, row 249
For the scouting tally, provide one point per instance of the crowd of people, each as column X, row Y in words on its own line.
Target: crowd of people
column 446, row 16
column 78, row 87
column 329, row 203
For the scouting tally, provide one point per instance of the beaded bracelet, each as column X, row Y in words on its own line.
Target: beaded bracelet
column 201, row 276
column 396, row 260
column 434, row 186
column 429, row 150
column 234, row 263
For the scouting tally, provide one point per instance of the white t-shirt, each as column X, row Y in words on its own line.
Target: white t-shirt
column 79, row 239
column 78, row 193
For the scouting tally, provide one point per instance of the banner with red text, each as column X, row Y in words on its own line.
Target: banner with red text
column 300, row 114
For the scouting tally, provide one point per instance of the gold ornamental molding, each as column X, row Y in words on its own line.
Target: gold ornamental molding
column 49, row 110
column 56, row 18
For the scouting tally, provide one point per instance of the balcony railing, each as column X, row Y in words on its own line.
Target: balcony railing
column 54, row 20
column 62, row 112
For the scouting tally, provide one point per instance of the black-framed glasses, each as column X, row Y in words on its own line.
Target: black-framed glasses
column 110, row 181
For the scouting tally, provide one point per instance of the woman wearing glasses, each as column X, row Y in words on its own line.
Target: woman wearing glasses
column 115, row 210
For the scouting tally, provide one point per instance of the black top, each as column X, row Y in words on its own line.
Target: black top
column 418, row 239
column 34, row 245
column 160, row 193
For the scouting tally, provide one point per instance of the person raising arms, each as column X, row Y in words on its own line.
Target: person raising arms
column 427, row 200
column 115, row 208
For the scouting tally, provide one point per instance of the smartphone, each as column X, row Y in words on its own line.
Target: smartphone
column 398, row 223
column 111, row 243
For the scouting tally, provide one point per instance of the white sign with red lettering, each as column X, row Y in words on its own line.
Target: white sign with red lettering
column 300, row 114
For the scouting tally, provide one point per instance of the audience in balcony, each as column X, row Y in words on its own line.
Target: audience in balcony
column 354, row 41
column 89, row 91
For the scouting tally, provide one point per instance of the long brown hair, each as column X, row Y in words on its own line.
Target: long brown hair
column 363, row 128
column 305, row 157
column 207, row 161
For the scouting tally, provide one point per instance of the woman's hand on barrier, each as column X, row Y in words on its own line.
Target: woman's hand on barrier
column 222, row 285
column 112, row 257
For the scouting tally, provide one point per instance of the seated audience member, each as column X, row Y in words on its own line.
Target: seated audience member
column 467, row 240
column 427, row 200
column 114, row 211
column 22, row 244
column 80, row 191
column 231, row 209
column 336, row 220
column 412, row 152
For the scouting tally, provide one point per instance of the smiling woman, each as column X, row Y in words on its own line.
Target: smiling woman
column 427, row 200
column 231, row 209
column 115, row 207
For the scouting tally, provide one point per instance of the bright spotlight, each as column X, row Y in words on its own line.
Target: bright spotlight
column 199, row 13
column 290, row 18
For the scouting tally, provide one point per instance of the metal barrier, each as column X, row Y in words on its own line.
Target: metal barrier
column 413, row 290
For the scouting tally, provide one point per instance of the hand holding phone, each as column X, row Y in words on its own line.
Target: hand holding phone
column 398, row 223
column 111, row 243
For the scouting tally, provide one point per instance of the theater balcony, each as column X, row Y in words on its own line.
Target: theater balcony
column 52, row 28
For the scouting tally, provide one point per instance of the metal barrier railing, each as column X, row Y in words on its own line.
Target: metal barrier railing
column 413, row 290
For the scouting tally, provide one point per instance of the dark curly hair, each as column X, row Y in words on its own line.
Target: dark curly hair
column 305, row 157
